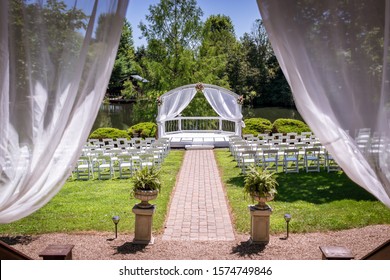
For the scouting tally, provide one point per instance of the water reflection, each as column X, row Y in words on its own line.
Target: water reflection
column 123, row 116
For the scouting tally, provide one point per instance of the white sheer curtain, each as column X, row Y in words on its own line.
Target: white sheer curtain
column 225, row 105
column 56, row 59
column 172, row 104
column 335, row 57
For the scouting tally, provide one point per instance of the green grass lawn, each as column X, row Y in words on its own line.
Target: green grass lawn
column 90, row 205
column 316, row 201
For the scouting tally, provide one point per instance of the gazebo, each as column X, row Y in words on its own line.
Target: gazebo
column 199, row 131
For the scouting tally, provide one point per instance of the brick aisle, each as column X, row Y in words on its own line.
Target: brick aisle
column 199, row 209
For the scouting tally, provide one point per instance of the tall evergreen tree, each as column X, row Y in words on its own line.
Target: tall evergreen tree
column 125, row 63
column 218, row 42
column 172, row 33
column 255, row 73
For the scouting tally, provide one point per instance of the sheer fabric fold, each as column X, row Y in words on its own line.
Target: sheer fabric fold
column 225, row 105
column 335, row 57
column 174, row 103
column 56, row 60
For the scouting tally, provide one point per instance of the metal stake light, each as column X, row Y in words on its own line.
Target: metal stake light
column 287, row 218
column 116, row 219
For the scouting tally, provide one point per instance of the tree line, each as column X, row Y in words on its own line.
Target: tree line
column 181, row 49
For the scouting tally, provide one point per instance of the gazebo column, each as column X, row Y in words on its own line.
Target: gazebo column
column 179, row 124
column 160, row 129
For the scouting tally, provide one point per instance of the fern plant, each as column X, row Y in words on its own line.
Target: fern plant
column 147, row 179
column 260, row 182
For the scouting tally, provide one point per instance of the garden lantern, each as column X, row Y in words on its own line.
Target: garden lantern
column 116, row 219
column 287, row 218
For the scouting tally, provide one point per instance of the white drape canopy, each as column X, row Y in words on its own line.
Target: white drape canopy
column 335, row 56
column 56, row 58
column 174, row 102
column 223, row 101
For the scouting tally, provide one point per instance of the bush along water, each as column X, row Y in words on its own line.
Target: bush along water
column 108, row 132
column 257, row 125
column 289, row 125
column 144, row 130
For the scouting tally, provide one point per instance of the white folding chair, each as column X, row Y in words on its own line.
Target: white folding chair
column 312, row 159
column 330, row 163
column 291, row 160
column 270, row 159
column 105, row 167
column 125, row 166
column 247, row 158
column 83, row 168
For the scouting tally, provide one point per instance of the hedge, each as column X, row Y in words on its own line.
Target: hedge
column 144, row 129
column 257, row 125
column 289, row 125
column 108, row 132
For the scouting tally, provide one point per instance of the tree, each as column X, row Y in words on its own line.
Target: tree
column 173, row 33
column 125, row 64
column 41, row 43
column 255, row 73
column 218, row 43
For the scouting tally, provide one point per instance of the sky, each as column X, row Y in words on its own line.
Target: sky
column 243, row 14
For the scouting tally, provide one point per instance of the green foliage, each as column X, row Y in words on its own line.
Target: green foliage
column 182, row 50
column 199, row 107
column 124, row 65
column 59, row 42
column 128, row 92
column 260, row 181
column 172, row 33
column 253, row 68
column 147, row 179
column 257, row 125
column 144, row 129
column 108, row 132
column 218, row 42
column 289, row 125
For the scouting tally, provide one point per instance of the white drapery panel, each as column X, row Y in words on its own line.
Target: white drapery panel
column 56, row 58
column 174, row 103
column 335, row 57
column 225, row 105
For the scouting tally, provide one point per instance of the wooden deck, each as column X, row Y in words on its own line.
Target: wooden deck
column 183, row 139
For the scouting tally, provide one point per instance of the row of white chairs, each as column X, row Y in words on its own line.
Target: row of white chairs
column 122, row 143
column 291, row 157
column 279, row 138
column 105, row 162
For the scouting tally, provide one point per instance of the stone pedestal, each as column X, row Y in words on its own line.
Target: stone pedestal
column 143, row 225
column 259, row 225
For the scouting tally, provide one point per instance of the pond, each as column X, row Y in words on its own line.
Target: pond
column 123, row 116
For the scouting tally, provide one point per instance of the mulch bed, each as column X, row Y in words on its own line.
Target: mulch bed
column 103, row 246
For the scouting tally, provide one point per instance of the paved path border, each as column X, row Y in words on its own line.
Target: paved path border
column 198, row 210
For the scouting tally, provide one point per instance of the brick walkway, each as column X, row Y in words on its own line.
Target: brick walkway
column 199, row 210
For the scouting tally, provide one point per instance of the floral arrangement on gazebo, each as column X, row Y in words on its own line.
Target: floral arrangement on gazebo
column 199, row 87
column 159, row 101
column 240, row 100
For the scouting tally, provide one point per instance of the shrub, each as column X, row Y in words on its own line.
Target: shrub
column 289, row 125
column 257, row 125
column 108, row 132
column 144, row 129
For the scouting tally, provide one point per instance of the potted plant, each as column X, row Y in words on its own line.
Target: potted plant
column 260, row 185
column 147, row 185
